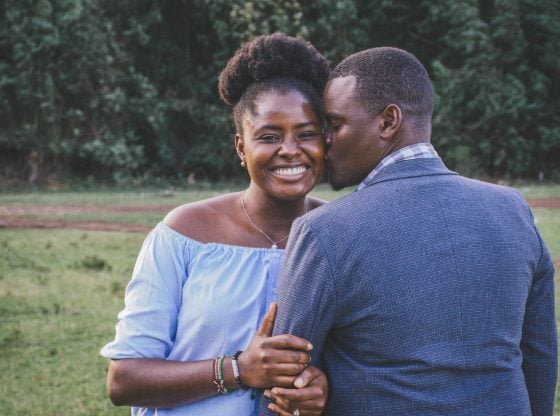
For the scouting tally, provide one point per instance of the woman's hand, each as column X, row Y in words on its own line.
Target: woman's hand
column 309, row 398
column 273, row 361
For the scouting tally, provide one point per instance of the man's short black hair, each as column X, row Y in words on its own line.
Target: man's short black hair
column 272, row 62
column 390, row 76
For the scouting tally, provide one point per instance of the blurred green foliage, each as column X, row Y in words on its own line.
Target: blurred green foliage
column 126, row 89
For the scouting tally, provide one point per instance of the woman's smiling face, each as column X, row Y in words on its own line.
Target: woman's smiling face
column 282, row 144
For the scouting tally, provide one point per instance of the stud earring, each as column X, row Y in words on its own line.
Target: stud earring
column 243, row 164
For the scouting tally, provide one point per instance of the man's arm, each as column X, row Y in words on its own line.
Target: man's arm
column 306, row 293
column 539, row 338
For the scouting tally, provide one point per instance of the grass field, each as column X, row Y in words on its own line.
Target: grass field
column 60, row 292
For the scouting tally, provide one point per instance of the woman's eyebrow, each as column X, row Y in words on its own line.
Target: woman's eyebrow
column 305, row 124
column 278, row 128
column 269, row 127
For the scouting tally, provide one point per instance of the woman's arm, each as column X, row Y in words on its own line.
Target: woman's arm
column 309, row 397
column 146, row 382
column 268, row 361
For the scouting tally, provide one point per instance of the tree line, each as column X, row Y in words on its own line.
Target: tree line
column 128, row 88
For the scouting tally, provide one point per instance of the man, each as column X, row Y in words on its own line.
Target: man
column 422, row 292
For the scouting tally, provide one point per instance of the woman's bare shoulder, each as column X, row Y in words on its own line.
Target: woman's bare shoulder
column 201, row 220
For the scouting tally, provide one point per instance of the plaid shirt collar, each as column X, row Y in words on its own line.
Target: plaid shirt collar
column 414, row 151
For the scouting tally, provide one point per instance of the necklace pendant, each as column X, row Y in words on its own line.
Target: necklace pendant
column 274, row 245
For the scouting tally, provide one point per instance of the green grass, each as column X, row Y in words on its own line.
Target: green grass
column 137, row 196
column 60, row 292
column 548, row 223
column 539, row 191
column 125, row 197
column 179, row 196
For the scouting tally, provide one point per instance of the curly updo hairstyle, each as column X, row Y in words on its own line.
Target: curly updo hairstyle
column 274, row 62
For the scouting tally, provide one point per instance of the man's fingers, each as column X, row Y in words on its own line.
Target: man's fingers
column 268, row 322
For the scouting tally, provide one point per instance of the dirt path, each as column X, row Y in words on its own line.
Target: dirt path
column 25, row 222
column 36, row 216
column 551, row 203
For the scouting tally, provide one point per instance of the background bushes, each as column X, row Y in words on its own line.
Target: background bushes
column 113, row 90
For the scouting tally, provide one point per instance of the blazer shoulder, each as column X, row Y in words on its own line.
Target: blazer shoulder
column 499, row 190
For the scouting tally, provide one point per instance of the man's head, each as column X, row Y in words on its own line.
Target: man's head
column 376, row 101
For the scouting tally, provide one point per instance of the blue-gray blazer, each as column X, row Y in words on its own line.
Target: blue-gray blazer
column 425, row 293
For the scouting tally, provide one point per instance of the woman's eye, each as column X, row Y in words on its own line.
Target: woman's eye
column 309, row 135
column 268, row 138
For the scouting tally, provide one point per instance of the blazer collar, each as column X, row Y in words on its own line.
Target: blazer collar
column 411, row 168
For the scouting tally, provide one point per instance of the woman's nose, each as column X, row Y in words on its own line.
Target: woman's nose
column 290, row 148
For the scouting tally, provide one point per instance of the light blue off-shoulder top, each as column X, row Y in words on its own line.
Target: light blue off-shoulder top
column 193, row 301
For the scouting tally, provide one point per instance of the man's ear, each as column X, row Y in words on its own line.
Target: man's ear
column 239, row 147
column 391, row 122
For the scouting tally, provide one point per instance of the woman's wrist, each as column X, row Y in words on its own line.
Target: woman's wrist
column 229, row 378
column 236, row 370
column 219, row 376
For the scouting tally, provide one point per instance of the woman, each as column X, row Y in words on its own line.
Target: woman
column 187, row 341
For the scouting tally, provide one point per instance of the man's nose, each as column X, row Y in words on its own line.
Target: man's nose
column 328, row 136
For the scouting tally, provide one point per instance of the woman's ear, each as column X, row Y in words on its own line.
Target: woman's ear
column 239, row 147
column 391, row 121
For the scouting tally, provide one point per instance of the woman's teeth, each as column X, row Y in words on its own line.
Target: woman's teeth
column 290, row 171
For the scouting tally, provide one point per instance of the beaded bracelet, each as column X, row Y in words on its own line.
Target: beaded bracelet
column 217, row 366
column 235, row 368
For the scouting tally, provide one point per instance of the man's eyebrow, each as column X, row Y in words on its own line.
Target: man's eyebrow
column 331, row 116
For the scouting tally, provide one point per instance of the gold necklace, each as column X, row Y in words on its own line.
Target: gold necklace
column 274, row 243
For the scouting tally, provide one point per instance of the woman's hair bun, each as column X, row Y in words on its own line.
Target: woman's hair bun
column 272, row 56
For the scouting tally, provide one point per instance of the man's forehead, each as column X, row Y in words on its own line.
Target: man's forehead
column 339, row 92
column 341, row 84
